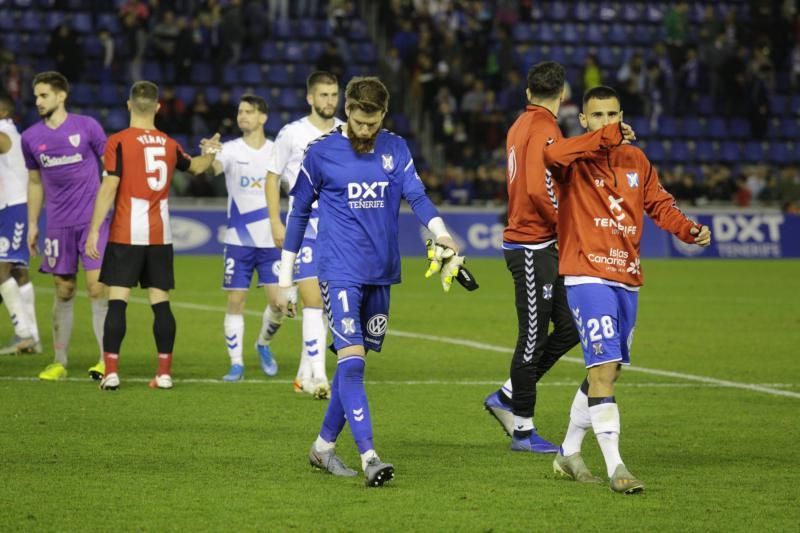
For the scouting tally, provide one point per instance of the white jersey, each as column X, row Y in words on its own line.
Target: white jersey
column 290, row 145
column 245, row 174
column 13, row 172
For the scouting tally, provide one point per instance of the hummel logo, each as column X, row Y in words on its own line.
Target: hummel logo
column 358, row 414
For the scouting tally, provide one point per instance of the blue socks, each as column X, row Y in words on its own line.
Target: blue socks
column 349, row 399
column 334, row 419
column 354, row 400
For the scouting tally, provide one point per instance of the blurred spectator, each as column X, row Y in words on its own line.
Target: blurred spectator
column 795, row 67
column 223, row 114
column 163, row 38
column 232, row 31
column 676, row 30
column 108, row 71
column 791, row 207
column 278, row 9
column 734, row 83
column 201, row 115
column 592, row 75
column 568, row 113
column 632, row 77
column 689, row 83
column 758, row 103
column 184, row 48
column 331, row 60
column 134, row 15
column 66, row 51
column 405, row 41
column 393, row 76
column 457, row 189
column 172, row 115
column 12, row 80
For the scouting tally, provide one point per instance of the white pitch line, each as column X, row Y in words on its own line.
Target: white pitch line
column 430, row 382
column 504, row 349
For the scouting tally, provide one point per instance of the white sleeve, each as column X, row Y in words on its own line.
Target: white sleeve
column 281, row 151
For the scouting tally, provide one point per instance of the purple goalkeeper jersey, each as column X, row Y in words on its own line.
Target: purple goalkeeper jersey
column 66, row 157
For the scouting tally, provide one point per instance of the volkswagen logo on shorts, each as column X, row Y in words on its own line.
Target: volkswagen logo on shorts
column 377, row 325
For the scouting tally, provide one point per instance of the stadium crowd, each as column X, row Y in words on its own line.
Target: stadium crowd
column 727, row 60
column 734, row 66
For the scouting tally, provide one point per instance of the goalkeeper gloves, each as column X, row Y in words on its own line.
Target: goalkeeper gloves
column 445, row 260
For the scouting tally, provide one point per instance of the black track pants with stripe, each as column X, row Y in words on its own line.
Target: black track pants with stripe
column 540, row 297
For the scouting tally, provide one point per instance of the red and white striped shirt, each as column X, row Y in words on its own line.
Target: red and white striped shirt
column 144, row 161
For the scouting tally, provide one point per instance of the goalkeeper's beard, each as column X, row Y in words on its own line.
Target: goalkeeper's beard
column 362, row 145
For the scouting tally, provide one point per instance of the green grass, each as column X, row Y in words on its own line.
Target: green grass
column 212, row 456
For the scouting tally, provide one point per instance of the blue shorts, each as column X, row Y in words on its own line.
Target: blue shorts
column 241, row 261
column 14, row 234
column 357, row 314
column 305, row 266
column 605, row 317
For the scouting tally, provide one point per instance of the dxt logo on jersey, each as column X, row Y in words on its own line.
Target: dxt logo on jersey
column 255, row 182
column 366, row 195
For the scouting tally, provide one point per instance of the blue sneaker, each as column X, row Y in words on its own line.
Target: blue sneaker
column 500, row 411
column 534, row 443
column 268, row 364
column 236, row 373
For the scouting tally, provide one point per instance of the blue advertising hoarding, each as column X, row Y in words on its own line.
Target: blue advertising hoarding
column 737, row 234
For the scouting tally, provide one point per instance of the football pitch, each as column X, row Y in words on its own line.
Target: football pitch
column 709, row 418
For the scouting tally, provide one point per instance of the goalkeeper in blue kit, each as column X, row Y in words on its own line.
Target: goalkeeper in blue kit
column 359, row 173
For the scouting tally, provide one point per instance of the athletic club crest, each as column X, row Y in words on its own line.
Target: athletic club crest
column 75, row 140
column 633, row 179
column 387, row 161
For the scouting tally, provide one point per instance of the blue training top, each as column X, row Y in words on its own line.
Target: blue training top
column 359, row 204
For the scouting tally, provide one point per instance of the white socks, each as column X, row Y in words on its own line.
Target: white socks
column 605, row 422
column 322, row 445
column 234, row 335
column 579, row 422
column 99, row 311
column 270, row 323
column 523, row 424
column 315, row 337
column 62, row 327
column 29, row 303
column 13, row 302
column 366, row 456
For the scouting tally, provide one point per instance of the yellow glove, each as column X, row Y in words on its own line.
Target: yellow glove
column 450, row 270
column 437, row 256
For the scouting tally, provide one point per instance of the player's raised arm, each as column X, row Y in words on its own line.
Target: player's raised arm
column 662, row 208
column 562, row 152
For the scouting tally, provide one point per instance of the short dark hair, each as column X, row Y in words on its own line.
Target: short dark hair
column 601, row 92
column 319, row 77
column 367, row 94
column 257, row 102
column 54, row 79
column 546, row 80
column 144, row 96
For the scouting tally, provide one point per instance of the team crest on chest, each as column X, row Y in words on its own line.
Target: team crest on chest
column 75, row 140
column 387, row 160
column 633, row 179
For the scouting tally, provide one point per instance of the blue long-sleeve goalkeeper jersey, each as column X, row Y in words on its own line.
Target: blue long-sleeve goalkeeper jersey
column 359, row 203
